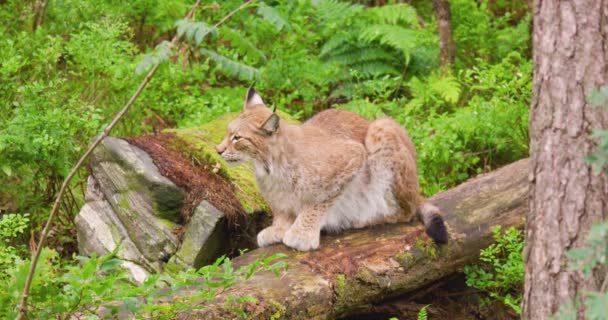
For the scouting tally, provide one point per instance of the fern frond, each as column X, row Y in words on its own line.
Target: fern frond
column 231, row 67
column 241, row 44
column 273, row 16
column 422, row 314
column 394, row 36
column 335, row 11
column 338, row 40
column 394, row 14
column 374, row 68
column 160, row 54
column 447, row 87
column 356, row 55
column 194, row 31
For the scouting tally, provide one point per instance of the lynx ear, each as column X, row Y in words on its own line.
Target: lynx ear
column 252, row 99
column 271, row 125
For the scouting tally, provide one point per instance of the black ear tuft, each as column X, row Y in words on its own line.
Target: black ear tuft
column 252, row 98
column 250, row 92
column 437, row 231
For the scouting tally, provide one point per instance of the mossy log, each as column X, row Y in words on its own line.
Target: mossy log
column 353, row 270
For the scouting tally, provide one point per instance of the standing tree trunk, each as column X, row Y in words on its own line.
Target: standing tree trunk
column 566, row 197
column 446, row 44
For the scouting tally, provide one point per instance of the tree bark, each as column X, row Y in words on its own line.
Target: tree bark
column 446, row 43
column 566, row 197
column 355, row 269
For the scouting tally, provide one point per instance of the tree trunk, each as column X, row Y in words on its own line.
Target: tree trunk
column 446, row 43
column 566, row 197
column 353, row 270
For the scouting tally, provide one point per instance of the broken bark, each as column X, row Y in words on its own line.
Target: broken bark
column 353, row 270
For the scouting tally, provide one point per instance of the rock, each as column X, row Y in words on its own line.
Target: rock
column 100, row 231
column 120, row 167
column 93, row 192
column 145, row 202
column 203, row 239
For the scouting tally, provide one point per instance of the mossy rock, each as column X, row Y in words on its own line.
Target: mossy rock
column 201, row 145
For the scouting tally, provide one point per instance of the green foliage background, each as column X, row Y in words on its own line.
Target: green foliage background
column 62, row 82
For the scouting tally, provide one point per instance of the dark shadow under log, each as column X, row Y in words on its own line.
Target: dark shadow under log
column 353, row 270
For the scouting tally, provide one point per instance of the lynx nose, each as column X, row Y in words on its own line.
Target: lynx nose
column 219, row 150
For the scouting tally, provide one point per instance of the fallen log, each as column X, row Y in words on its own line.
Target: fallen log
column 353, row 270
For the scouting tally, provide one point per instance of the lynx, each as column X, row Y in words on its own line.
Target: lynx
column 335, row 171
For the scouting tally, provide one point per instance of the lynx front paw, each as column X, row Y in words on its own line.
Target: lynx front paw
column 302, row 241
column 270, row 236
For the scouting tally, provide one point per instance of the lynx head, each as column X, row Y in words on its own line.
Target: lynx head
column 249, row 135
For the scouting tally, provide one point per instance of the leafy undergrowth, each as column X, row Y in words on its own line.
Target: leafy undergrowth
column 500, row 272
column 99, row 286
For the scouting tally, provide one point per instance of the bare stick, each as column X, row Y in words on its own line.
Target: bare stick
column 105, row 133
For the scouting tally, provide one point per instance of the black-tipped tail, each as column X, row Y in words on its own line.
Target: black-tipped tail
column 433, row 223
column 437, row 230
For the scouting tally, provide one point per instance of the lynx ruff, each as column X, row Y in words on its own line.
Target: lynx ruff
column 334, row 172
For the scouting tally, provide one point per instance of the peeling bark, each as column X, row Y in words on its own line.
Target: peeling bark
column 571, row 60
column 355, row 269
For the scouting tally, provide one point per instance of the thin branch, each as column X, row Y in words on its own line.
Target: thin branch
column 106, row 132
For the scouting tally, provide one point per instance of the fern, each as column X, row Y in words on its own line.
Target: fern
column 336, row 11
column 273, row 16
column 160, row 54
column 339, row 40
column 422, row 314
column 194, row 31
column 242, row 45
column 433, row 94
column 374, row 68
column 231, row 67
column 447, row 87
column 393, row 36
column 395, row 14
column 363, row 55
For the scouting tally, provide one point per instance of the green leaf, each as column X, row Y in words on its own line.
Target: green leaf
column 273, row 16
column 7, row 170
column 422, row 314
column 111, row 264
column 231, row 67
column 596, row 306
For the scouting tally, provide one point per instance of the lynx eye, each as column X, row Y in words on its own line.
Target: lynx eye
column 236, row 138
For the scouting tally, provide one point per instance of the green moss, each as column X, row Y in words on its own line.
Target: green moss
column 352, row 292
column 173, row 267
column 202, row 141
column 428, row 247
column 168, row 223
column 279, row 310
column 340, row 282
column 404, row 258
column 124, row 205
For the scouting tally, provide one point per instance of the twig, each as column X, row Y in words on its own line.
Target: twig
column 106, row 132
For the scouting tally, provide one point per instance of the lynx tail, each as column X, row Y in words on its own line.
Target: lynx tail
column 433, row 222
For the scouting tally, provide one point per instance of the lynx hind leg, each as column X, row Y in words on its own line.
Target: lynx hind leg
column 275, row 232
column 392, row 153
column 390, row 147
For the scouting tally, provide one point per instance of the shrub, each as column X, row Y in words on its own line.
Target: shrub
column 501, row 270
